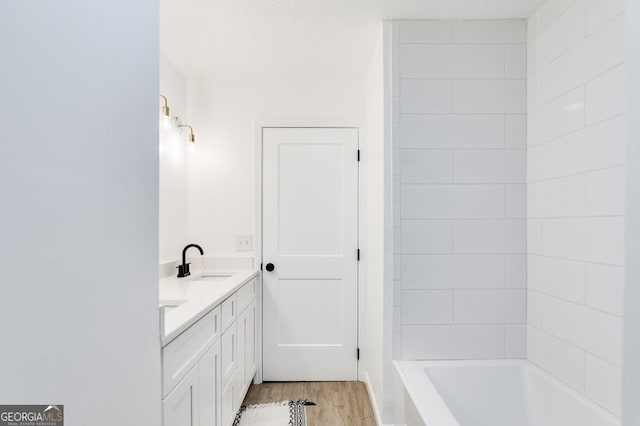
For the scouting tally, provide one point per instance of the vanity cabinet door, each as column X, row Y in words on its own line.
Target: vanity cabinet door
column 246, row 329
column 227, row 402
column 229, row 354
column 241, row 325
column 209, row 382
column 180, row 407
column 250, row 345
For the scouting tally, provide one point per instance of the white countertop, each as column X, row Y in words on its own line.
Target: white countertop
column 199, row 297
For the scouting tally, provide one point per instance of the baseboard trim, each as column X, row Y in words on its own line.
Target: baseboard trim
column 372, row 399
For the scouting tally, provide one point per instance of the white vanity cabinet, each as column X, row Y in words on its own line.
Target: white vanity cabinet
column 207, row 370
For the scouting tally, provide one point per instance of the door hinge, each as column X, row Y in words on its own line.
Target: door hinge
column 358, row 255
column 358, row 353
column 358, row 155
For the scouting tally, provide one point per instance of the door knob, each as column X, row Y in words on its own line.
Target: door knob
column 270, row 267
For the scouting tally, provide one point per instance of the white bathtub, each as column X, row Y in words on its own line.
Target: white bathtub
column 492, row 393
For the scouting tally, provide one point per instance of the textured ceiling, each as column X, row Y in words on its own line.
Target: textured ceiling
column 229, row 37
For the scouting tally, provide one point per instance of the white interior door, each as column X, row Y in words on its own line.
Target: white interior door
column 310, row 235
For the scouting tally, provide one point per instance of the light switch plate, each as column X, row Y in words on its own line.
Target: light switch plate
column 244, row 242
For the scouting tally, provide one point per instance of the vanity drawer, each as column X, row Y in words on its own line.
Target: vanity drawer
column 229, row 311
column 180, row 355
column 246, row 294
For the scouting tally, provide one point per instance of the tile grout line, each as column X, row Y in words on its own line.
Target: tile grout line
column 586, row 35
column 577, row 86
column 584, row 172
column 585, row 306
column 543, row 330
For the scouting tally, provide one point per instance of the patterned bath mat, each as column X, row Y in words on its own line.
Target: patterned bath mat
column 283, row 413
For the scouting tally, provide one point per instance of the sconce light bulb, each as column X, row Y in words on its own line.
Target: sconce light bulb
column 167, row 122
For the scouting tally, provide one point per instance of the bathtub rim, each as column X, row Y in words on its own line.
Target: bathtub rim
column 421, row 389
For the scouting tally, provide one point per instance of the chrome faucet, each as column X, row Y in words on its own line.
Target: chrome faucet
column 183, row 270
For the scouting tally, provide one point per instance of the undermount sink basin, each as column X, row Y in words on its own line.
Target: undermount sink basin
column 212, row 277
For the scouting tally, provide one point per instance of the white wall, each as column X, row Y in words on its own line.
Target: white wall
column 79, row 217
column 377, row 231
column 460, row 228
column 174, row 152
column 224, row 112
column 575, row 174
column 631, row 364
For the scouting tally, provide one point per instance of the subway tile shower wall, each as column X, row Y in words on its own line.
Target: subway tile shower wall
column 460, row 189
column 509, row 146
column 575, row 184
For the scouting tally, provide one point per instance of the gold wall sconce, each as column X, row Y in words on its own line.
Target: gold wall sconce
column 192, row 137
column 166, row 113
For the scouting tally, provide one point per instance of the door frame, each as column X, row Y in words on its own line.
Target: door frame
column 259, row 125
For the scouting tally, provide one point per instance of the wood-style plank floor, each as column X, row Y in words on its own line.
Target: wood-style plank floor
column 337, row 403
